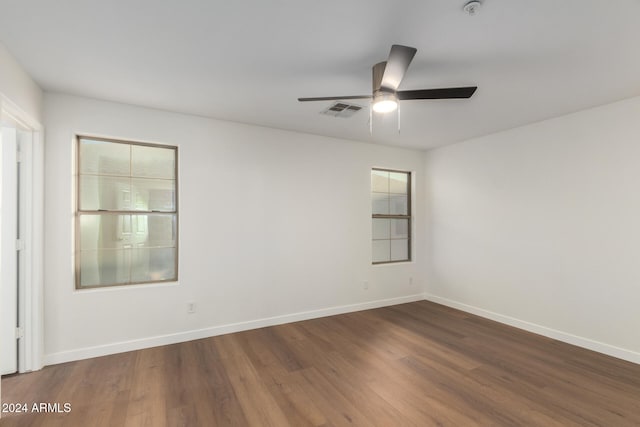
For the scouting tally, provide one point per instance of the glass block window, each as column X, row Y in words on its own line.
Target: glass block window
column 127, row 213
column 390, row 216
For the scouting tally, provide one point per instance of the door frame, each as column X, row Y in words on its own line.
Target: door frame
column 31, row 289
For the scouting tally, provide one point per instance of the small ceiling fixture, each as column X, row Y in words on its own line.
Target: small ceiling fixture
column 472, row 7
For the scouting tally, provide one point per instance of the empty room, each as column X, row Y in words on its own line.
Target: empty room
column 303, row 213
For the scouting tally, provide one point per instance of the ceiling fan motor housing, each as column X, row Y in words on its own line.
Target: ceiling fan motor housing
column 384, row 99
column 378, row 72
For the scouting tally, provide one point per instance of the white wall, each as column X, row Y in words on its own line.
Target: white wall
column 539, row 226
column 272, row 224
column 18, row 87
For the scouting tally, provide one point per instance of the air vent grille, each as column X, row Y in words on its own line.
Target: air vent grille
column 341, row 109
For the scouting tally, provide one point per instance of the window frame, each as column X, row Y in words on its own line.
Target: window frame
column 78, row 212
column 408, row 216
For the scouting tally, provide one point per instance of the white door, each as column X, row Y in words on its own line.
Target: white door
column 8, row 250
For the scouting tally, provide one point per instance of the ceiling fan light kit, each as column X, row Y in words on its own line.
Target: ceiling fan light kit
column 385, row 102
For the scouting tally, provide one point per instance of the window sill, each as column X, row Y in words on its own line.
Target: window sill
column 137, row 286
column 384, row 264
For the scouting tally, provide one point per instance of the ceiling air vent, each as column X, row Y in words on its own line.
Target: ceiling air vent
column 341, row 109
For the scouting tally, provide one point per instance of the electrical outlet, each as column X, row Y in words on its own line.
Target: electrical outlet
column 411, row 280
column 191, row 307
column 365, row 285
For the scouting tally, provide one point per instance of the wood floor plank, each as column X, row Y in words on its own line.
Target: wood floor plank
column 216, row 396
column 253, row 395
column 147, row 407
column 417, row 364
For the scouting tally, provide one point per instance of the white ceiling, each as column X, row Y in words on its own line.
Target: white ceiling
column 249, row 61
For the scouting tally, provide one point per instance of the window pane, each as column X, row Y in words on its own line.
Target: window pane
column 390, row 197
column 381, row 228
column 104, row 192
column 118, row 248
column 106, row 158
column 152, row 264
column 398, row 205
column 152, row 162
column 104, row 267
column 153, row 194
column 400, row 250
column 380, row 181
column 105, row 231
column 399, row 228
column 398, row 182
column 380, row 250
column 380, row 203
column 154, row 230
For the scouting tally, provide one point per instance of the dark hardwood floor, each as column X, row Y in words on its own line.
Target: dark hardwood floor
column 417, row 364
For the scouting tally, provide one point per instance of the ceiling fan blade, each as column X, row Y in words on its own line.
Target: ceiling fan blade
column 399, row 59
column 443, row 93
column 335, row 98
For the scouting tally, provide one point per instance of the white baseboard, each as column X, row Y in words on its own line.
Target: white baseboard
column 120, row 347
column 587, row 343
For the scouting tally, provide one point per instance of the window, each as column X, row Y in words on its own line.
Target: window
column 127, row 213
column 391, row 216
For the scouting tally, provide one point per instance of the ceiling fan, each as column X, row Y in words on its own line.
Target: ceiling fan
column 387, row 76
